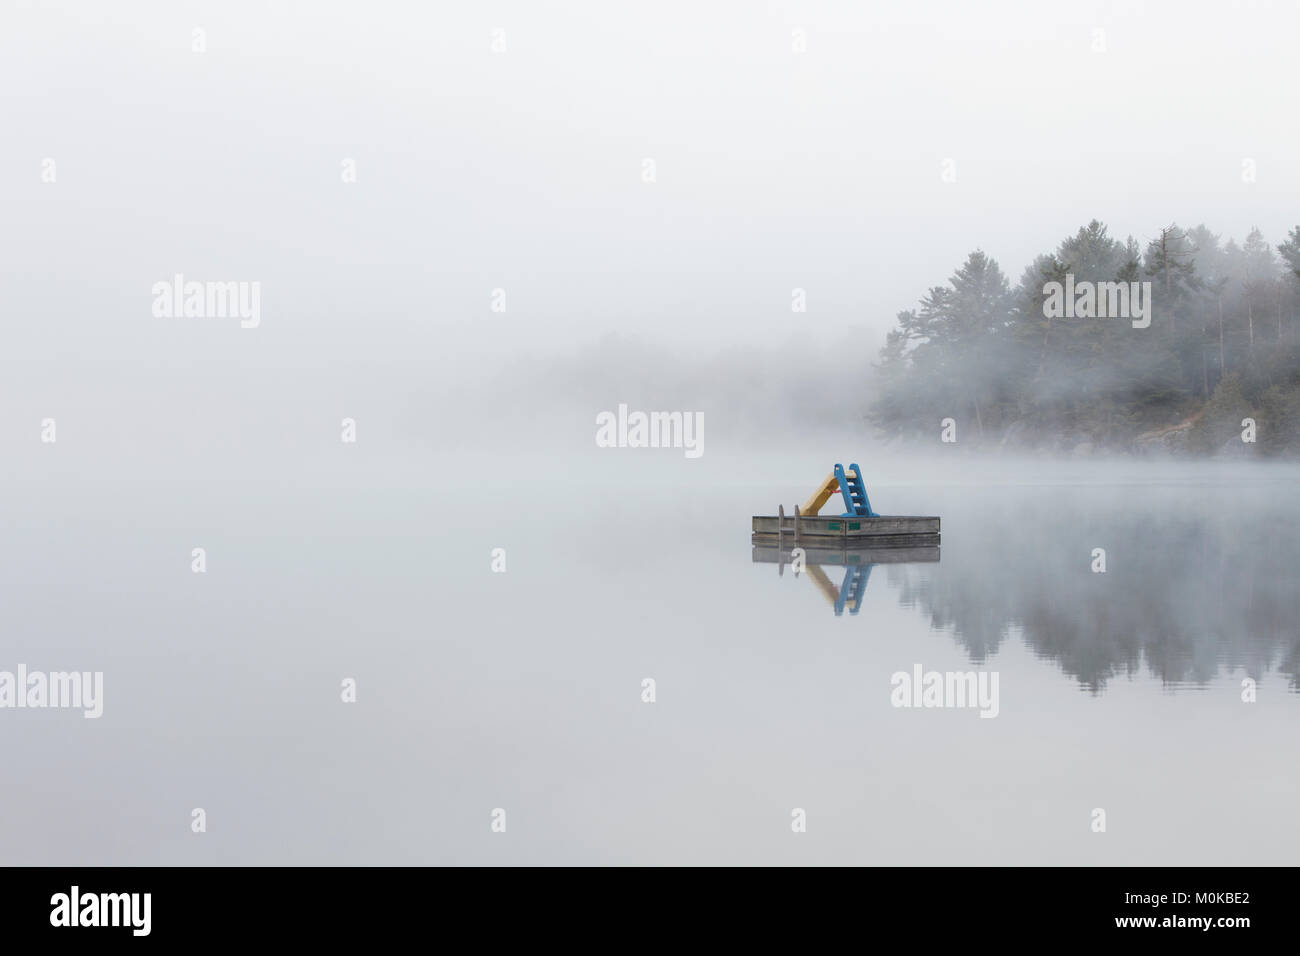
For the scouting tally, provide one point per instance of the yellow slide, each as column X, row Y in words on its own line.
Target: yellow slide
column 823, row 493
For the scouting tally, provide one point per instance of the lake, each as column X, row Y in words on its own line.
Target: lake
column 523, row 690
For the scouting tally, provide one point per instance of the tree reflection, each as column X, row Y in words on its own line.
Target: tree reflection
column 1190, row 590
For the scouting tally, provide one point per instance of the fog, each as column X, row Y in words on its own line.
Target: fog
column 461, row 263
column 522, row 171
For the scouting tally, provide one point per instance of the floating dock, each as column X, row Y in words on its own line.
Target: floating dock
column 857, row 540
column 876, row 531
column 858, row 527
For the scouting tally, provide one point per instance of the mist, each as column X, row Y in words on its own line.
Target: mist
column 523, row 171
column 473, row 230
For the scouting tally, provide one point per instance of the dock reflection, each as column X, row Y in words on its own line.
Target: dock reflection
column 857, row 563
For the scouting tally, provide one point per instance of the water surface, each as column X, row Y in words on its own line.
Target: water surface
column 523, row 690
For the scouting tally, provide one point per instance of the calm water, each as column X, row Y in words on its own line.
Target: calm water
column 522, row 690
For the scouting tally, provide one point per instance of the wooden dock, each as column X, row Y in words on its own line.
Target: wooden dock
column 822, row 531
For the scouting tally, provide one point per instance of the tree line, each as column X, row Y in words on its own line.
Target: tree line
column 1223, row 346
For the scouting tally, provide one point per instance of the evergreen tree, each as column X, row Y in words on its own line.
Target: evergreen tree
column 977, row 350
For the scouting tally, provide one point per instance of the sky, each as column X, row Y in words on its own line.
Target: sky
column 504, row 146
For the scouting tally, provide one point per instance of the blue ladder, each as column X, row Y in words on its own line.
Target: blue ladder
column 854, row 492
